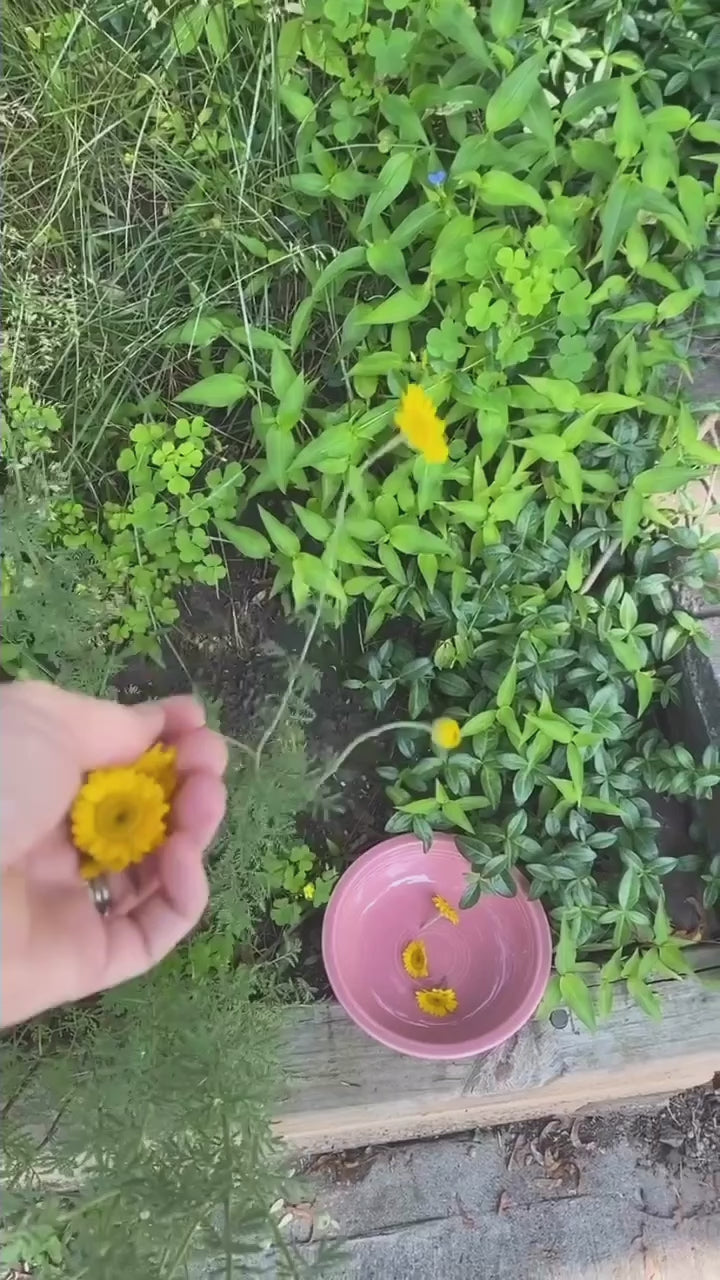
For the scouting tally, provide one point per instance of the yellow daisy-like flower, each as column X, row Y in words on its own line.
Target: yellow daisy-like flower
column 415, row 959
column 438, row 1002
column 159, row 763
column 446, row 733
column 443, row 906
column 118, row 818
column 422, row 428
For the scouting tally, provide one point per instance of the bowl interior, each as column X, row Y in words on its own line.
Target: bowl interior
column 497, row 959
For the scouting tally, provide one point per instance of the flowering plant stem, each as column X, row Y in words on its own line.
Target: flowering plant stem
column 365, row 737
column 339, row 521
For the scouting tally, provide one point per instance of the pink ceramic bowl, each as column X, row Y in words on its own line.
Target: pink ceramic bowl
column 497, row 959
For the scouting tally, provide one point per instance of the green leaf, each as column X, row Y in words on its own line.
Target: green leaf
column 676, row 303
column 505, row 17
column 251, row 543
column 691, row 198
column 619, row 213
column 335, row 444
column 576, row 768
column 279, row 451
column 428, row 566
column 218, row 391
column 645, row 997
column 551, row 1000
column 317, row 575
column 291, row 405
column 502, row 189
column 216, row 29
column 513, row 95
column 377, row 363
column 389, row 184
column 285, row 540
column 414, row 541
column 706, row 131
column 316, row 525
column 637, row 313
column 339, row 268
column 628, row 125
column 663, row 479
column 187, row 28
column 575, row 993
column 448, row 259
column 603, row 93
column 478, row 723
column 631, row 513
column 645, row 685
column 385, row 258
column 399, row 306
column 455, row 20
column 506, row 691
column 571, row 476
column 454, row 812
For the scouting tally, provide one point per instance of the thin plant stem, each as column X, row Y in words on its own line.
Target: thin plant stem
column 339, row 521
column 366, row 737
column 599, row 565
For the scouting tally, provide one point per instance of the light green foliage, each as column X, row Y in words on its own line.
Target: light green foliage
column 298, row 883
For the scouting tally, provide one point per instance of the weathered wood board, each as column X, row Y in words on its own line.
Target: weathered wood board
column 345, row 1090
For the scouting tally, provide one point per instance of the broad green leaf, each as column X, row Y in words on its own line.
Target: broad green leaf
column 428, row 566
column 301, row 321
column 404, row 305
column 551, row 1000
column 389, row 184
column 676, row 303
column 188, row 27
column 448, row 260
column 455, row 20
column 513, row 95
column 339, row 268
column 319, row 576
column 309, row 184
column 385, row 258
column 576, row 768
column 548, row 447
column 316, row 525
column 572, row 477
column 631, row 513
column 502, row 189
column 645, row 685
column 377, row 363
column 285, row 540
column 554, row 727
column 706, row 131
column 645, row 997
column 478, row 723
column 539, row 119
column 219, row 391
column 454, row 812
column 421, row 220
column 279, row 451
column 628, row 125
column 251, row 543
column 636, row 313
column 414, row 541
column 197, row 331
column 506, row 692
column 216, row 29
column 663, row 479
column 575, row 993
column 618, row 214
column 691, row 197
column 291, row 405
column 335, row 443
column 562, row 394
column 602, row 93
column 298, row 104
column 505, row 17
column 672, row 119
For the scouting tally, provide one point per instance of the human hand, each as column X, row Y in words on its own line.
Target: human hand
column 55, row 945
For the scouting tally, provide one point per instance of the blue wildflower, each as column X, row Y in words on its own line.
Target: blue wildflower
column 437, row 178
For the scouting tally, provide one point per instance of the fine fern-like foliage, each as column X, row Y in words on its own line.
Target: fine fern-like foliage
column 155, row 1150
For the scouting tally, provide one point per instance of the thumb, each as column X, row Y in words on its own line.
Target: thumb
column 48, row 740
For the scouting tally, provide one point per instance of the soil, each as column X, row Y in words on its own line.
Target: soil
column 234, row 646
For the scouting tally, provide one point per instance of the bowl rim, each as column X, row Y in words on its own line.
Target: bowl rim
column 407, row 1044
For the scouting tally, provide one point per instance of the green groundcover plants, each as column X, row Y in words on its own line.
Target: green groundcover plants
column 259, row 225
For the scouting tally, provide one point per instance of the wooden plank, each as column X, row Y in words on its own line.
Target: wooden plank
column 345, row 1090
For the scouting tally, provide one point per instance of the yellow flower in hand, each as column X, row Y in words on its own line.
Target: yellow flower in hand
column 418, row 421
column 446, row 733
column 118, row 818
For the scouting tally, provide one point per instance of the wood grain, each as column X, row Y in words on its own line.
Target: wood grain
column 345, row 1090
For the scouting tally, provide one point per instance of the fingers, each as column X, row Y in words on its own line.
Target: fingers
column 96, row 732
column 182, row 714
column 140, row 939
